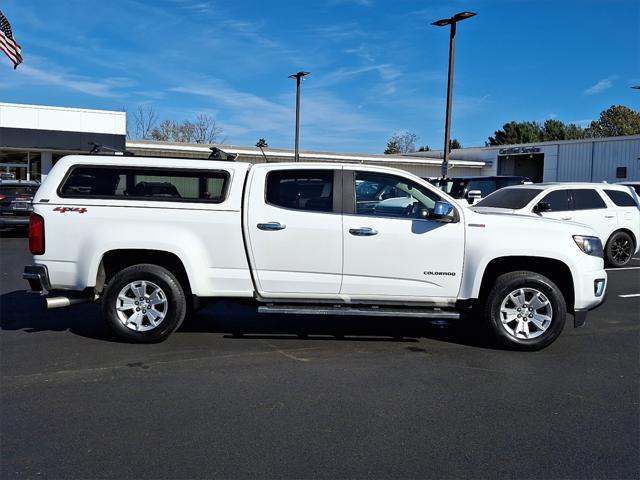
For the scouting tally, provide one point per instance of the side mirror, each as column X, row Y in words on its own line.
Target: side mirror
column 444, row 212
column 473, row 195
column 542, row 207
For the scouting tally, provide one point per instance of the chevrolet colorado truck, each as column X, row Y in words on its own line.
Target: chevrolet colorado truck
column 149, row 238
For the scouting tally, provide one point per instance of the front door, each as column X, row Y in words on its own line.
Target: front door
column 294, row 227
column 391, row 253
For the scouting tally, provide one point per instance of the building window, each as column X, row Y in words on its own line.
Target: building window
column 621, row 172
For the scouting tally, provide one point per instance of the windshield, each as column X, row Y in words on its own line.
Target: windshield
column 512, row 198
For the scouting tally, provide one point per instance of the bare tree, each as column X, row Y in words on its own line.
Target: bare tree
column 144, row 122
column 165, row 132
column 206, row 129
column 402, row 142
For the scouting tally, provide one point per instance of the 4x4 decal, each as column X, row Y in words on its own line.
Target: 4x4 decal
column 70, row 209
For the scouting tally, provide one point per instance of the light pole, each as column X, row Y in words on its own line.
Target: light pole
column 298, row 76
column 452, row 49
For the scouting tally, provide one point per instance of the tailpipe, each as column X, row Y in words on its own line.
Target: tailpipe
column 59, row 302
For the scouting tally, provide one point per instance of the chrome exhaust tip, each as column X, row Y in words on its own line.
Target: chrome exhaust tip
column 59, row 302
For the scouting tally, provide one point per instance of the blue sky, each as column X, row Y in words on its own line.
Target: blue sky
column 377, row 67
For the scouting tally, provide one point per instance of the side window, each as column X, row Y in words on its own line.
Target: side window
column 485, row 186
column 141, row 183
column 558, row 200
column 301, row 189
column 390, row 196
column 621, row 199
column 587, row 199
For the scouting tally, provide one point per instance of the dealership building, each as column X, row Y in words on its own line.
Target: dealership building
column 34, row 137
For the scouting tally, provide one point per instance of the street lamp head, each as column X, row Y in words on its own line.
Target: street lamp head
column 442, row 23
column 463, row 16
column 299, row 75
column 458, row 17
column 636, row 87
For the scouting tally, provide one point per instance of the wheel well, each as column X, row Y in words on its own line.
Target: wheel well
column 628, row 232
column 554, row 270
column 114, row 261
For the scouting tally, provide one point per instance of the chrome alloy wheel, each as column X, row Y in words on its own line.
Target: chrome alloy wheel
column 526, row 313
column 621, row 250
column 141, row 305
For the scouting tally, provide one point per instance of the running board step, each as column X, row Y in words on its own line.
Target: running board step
column 362, row 311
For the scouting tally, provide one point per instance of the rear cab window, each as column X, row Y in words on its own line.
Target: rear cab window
column 301, row 189
column 145, row 183
column 511, row 198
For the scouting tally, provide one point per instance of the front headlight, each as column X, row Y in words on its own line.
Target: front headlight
column 589, row 245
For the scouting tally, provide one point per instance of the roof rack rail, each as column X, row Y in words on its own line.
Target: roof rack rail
column 218, row 154
column 99, row 148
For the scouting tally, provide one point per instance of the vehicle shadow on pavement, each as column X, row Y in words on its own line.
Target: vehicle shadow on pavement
column 238, row 321
column 20, row 310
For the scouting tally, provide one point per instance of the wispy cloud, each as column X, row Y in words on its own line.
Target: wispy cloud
column 107, row 88
column 361, row 3
column 600, row 86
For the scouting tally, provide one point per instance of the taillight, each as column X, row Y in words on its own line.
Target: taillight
column 2, row 197
column 36, row 234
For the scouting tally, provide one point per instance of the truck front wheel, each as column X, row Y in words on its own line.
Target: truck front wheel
column 144, row 303
column 525, row 310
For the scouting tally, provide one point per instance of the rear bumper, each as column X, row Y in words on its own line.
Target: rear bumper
column 38, row 278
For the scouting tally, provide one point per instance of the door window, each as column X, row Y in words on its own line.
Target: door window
column 558, row 200
column 391, row 196
column 587, row 199
column 301, row 189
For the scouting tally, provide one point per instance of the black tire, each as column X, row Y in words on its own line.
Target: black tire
column 506, row 333
column 619, row 249
column 174, row 310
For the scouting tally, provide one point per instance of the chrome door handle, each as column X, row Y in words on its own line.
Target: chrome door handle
column 567, row 218
column 363, row 232
column 271, row 226
column 609, row 216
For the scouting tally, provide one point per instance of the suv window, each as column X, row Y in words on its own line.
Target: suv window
column 621, row 199
column 558, row 200
column 142, row 183
column 310, row 190
column 512, row 198
column 587, row 199
column 390, row 196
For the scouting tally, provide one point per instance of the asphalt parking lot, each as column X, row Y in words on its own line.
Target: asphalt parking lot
column 351, row 400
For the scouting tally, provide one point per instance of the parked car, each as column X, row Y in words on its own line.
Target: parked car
column 300, row 238
column 472, row 189
column 15, row 202
column 610, row 210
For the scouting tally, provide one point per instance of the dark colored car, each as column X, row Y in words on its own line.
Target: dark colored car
column 15, row 202
column 475, row 188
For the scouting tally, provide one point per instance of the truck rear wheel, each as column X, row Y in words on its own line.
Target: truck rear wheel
column 144, row 303
column 525, row 310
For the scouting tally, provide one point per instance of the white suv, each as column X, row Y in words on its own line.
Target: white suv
column 610, row 210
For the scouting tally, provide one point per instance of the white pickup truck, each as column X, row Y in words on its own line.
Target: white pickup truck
column 151, row 237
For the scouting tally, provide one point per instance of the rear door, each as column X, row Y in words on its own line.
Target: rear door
column 590, row 208
column 388, row 251
column 293, row 222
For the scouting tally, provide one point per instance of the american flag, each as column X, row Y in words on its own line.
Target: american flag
column 7, row 43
